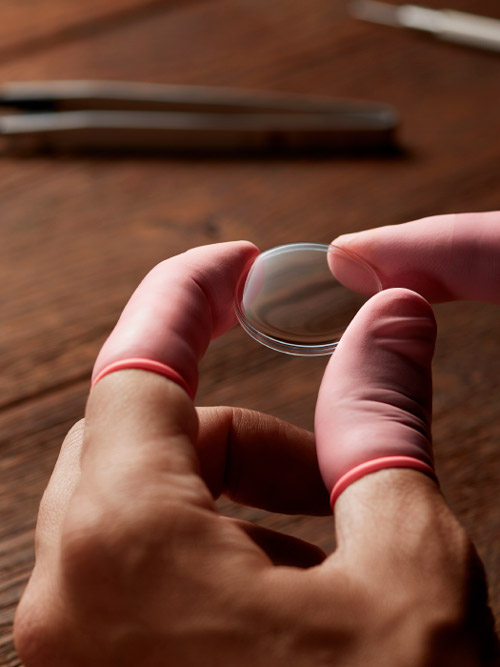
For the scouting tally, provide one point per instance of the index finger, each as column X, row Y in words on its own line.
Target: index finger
column 177, row 309
column 139, row 427
column 443, row 258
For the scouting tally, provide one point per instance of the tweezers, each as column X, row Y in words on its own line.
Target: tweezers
column 103, row 116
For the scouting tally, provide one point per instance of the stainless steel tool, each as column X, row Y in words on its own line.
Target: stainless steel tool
column 122, row 116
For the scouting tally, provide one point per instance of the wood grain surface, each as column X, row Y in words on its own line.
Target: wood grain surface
column 78, row 233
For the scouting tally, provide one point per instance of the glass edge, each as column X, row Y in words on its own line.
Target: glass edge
column 296, row 350
column 290, row 348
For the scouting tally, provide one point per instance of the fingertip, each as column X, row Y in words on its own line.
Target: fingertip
column 180, row 305
column 248, row 246
column 352, row 270
column 355, row 242
column 230, row 252
column 344, row 240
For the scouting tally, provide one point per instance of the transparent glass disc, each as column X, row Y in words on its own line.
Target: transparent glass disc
column 291, row 301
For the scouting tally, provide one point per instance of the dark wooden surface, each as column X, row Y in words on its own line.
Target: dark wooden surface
column 79, row 233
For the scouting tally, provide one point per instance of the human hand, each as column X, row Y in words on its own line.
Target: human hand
column 134, row 565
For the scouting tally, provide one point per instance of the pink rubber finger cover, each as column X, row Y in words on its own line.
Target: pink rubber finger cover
column 376, row 395
column 177, row 309
column 443, row 257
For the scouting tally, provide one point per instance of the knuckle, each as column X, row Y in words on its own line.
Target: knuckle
column 104, row 543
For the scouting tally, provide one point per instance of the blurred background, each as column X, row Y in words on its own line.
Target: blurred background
column 78, row 232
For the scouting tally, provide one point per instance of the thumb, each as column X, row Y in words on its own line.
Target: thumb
column 398, row 543
column 374, row 404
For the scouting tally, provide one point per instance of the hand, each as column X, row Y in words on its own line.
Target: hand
column 134, row 565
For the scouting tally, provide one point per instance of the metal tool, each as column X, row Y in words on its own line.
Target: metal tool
column 62, row 116
column 460, row 27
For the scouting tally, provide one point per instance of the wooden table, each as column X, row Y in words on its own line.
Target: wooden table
column 78, row 233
